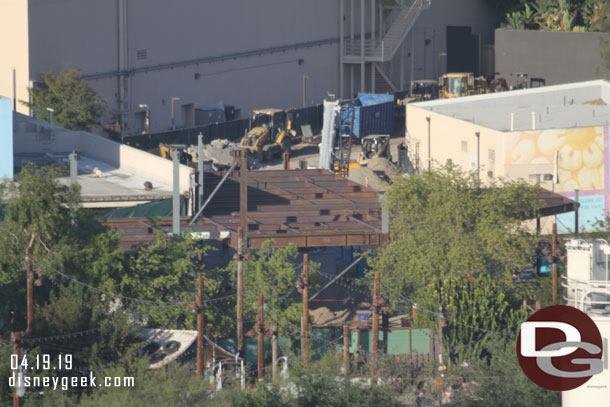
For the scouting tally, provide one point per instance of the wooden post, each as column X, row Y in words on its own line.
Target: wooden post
column 240, row 294
column 261, row 337
column 30, row 286
column 274, row 353
column 200, row 333
column 346, row 349
column 554, row 256
column 16, row 373
column 286, row 160
column 375, row 329
column 439, row 345
column 305, row 300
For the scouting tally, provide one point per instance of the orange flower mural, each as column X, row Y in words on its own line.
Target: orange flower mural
column 580, row 154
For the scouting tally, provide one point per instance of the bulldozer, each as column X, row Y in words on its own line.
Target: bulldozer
column 272, row 138
column 453, row 85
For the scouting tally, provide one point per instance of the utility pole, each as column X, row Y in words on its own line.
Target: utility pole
column 16, row 373
column 242, row 244
column 261, row 336
column 375, row 329
column 305, row 300
column 346, row 350
column 240, row 294
column 274, row 353
column 200, row 327
column 200, row 171
column 554, row 256
column 441, row 324
column 30, row 286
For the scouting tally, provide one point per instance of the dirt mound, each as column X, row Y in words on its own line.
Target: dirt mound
column 364, row 176
column 384, row 165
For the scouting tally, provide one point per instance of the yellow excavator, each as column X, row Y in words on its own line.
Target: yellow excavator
column 453, row 85
column 273, row 138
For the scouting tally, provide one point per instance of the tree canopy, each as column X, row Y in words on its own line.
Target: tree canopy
column 444, row 226
column 76, row 105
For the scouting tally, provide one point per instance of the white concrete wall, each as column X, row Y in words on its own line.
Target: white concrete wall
column 86, row 36
column 446, row 137
column 28, row 141
column 14, row 50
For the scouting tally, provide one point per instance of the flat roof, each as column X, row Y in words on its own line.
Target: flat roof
column 581, row 104
column 109, row 184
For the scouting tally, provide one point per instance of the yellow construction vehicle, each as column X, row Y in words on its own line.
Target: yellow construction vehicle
column 453, row 85
column 166, row 151
column 273, row 138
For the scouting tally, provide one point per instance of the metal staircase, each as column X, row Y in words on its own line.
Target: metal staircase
column 399, row 24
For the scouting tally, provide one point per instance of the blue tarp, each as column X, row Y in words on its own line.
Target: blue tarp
column 373, row 114
column 369, row 99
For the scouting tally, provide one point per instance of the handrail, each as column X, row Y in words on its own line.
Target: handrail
column 403, row 18
column 581, row 291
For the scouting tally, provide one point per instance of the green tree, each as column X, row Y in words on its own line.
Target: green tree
column 76, row 105
column 499, row 381
column 476, row 311
column 444, row 226
column 37, row 213
column 275, row 274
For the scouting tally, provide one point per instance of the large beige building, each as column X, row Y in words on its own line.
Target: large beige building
column 183, row 55
column 556, row 136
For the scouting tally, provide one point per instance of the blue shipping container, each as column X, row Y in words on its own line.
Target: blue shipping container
column 374, row 114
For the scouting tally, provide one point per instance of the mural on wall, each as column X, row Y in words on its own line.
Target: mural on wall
column 580, row 158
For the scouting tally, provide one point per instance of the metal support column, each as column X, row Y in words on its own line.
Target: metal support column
column 200, row 171
column 362, row 39
column 341, row 47
column 176, row 195
column 412, row 70
column 402, row 66
column 373, row 44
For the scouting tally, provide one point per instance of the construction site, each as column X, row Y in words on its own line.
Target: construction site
column 364, row 210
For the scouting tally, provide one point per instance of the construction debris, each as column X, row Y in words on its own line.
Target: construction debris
column 218, row 153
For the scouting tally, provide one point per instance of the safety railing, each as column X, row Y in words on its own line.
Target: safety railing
column 399, row 23
column 591, row 296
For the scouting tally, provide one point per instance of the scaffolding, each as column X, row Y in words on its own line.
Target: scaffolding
column 344, row 134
